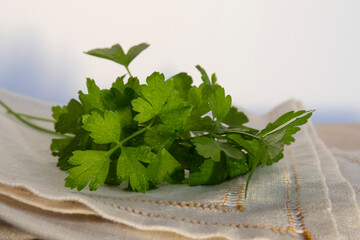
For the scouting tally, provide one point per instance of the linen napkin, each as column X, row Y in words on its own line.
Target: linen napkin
column 303, row 196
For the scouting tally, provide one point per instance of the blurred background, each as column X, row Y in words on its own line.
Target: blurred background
column 263, row 52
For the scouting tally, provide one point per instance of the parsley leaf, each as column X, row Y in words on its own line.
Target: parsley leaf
column 234, row 118
column 210, row 173
column 210, row 148
column 219, row 103
column 165, row 166
column 103, row 129
column 157, row 91
column 69, row 121
column 182, row 84
column 129, row 169
column 175, row 113
column 58, row 111
column 93, row 98
column 288, row 122
column 91, row 166
column 152, row 133
column 159, row 137
column 116, row 53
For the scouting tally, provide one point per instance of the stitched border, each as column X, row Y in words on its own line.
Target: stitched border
column 226, row 195
column 307, row 234
column 289, row 231
column 200, row 205
column 239, row 197
column 287, row 182
column 278, row 230
column 291, row 219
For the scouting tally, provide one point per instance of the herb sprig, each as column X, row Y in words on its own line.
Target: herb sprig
column 146, row 134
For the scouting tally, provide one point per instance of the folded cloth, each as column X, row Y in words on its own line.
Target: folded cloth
column 303, row 196
column 349, row 162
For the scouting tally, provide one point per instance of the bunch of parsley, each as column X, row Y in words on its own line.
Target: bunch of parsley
column 146, row 134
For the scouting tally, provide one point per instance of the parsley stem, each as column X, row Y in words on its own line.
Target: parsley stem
column 127, row 69
column 242, row 133
column 120, row 144
column 10, row 111
column 34, row 117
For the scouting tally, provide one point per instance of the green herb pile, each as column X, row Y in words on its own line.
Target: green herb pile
column 146, row 134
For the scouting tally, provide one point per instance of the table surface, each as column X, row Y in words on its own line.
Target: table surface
column 342, row 136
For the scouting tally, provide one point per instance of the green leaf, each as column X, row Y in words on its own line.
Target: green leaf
column 159, row 137
column 114, row 100
column 135, row 50
column 186, row 155
column 210, row 173
column 70, row 122
column 219, row 103
column 116, row 53
column 103, row 129
column 144, row 109
column 210, row 148
column 112, row 178
column 165, row 166
column 260, row 157
column 250, row 145
column 129, row 169
column 199, row 98
column 204, row 124
column 142, row 154
column 157, row 91
column 278, row 157
column 234, row 118
column 79, row 142
column 59, row 144
column 204, row 75
column 91, row 166
column 182, row 84
column 58, row 111
column 132, row 84
column 274, row 143
column 288, row 122
column 175, row 114
column 236, row 167
column 93, row 98
column 213, row 79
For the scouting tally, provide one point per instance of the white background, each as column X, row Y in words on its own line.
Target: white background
column 263, row 52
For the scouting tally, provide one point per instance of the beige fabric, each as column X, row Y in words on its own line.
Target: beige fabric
column 293, row 199
column 342, row 136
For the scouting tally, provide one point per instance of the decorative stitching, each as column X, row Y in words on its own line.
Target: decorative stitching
column 287, row 181
column 240, row 207
column 200, row 205
column 278, row 230
column 226, row 195
column 307, row 234
column 239, row 197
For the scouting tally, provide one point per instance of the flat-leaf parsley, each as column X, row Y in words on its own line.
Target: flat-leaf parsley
column 146, row 134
